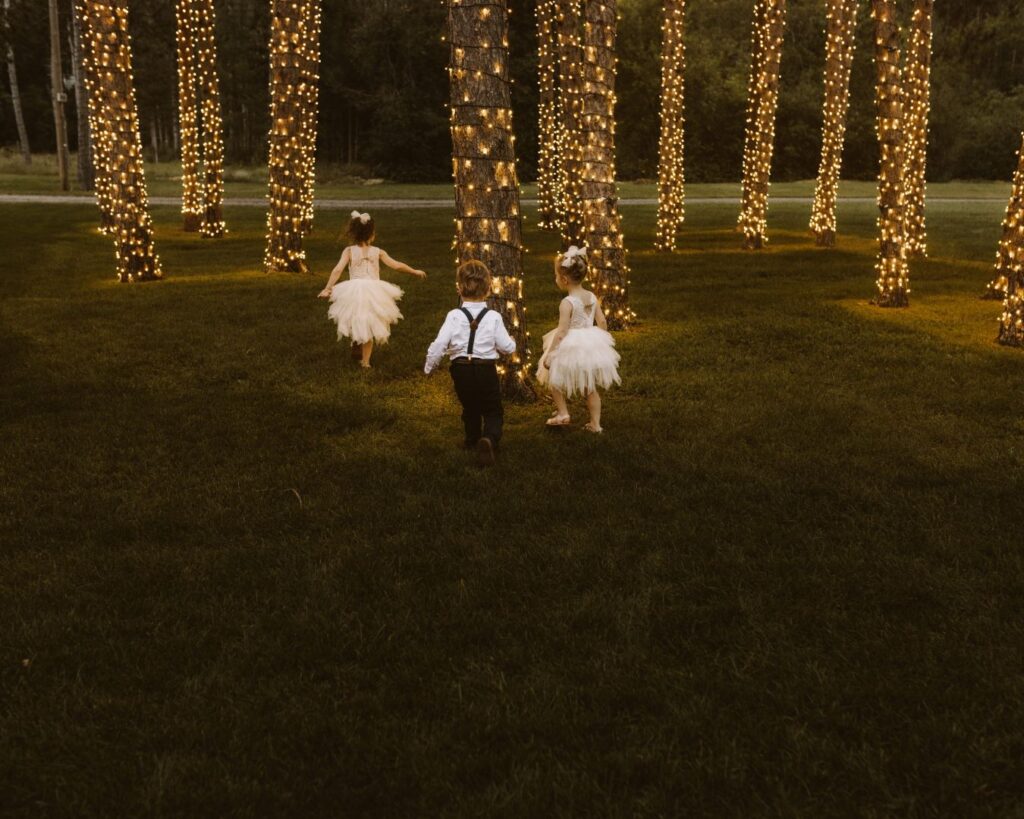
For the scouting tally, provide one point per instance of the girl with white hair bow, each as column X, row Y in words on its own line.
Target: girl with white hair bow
column 364, row 307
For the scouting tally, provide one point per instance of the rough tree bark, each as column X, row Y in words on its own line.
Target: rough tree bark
column 917, row 107
column 58, row 96
column 19, row 114
column 569, row 30
column 1010, row 256
column 841, row 29
column 600, row 197
column 488, row 223
column 893, row 281
column 671, row 139
column 762, row 106
column 550, row 124
column 107, row 48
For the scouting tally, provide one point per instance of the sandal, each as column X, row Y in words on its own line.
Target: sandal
column 557, row 420
column 591, row 428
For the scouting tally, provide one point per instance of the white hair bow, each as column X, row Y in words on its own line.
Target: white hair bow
column 362, row 217
column 572, row 254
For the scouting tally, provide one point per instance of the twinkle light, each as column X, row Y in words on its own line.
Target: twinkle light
column 488, row 220
column 840, row 43
column 671, row 140
column 101, row 136
column 1010, row 256
column 569, row 33
column 917, row 107
column 602, row 221
column 115, row 131
column 550, row 126
column 762, row 105
column 185, row 14
column 893, row 272
column 294, row 82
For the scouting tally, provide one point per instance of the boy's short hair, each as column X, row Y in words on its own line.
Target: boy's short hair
column 474, row 279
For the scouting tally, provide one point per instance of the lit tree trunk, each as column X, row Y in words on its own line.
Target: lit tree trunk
column 671, row 140
column 1010, row 256
column 917, row 106
column 602, row 221
column 762, row 105
column 893, row 273
column 59, row 97
column 569, row 26
column 86, row 175
column 101, row 134
column 108, row 46
column 12, row 75
column 212, row 226
column 840, row 45
column 550, row 124
column 185, row 15
column 488, row 223
column 294, row 62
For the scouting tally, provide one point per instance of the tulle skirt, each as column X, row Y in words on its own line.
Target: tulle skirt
column 586, row 360
column 365, row 309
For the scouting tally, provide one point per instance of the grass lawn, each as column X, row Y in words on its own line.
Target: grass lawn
column 242, row 577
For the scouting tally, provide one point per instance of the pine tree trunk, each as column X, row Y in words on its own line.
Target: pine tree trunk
column 917, row 107
column 550, row 124
column 671, row 140
column 488, row 224
column 294, row 63
column 108, row 45
column 1010, row 256
column 86, row 173
column 212, row 226
column 101, row 135
column 569, row 30
column 59, row 97
column 12, row 75
column 762, row 106
column 840, row 44
column 893, row 274
column 186, row 24
column 603, row 224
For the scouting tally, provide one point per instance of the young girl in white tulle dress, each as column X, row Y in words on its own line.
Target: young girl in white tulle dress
column 364, row 307
column 579, row 355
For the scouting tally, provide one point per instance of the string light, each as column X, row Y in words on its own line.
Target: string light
column 917, row 107
column 550, row 126
column 671, row 140
column 294, row 80
column 569, row 25
column 840, row 28
column 603, row 223
column 107, row 47
column 488, row 221
column 101, row 136
column 1010, row 256
column 762, row 105
column 188, row 113
column 893, row 280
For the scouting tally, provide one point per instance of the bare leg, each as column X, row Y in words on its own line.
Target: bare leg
column 594, row 406
column 367, row 352
column 561, row 415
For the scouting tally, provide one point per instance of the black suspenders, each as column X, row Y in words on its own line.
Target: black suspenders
column 473, row 324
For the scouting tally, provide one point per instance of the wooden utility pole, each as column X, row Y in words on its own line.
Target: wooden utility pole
column 59, row 97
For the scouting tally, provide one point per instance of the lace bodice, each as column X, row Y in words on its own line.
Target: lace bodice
column 583, row 313
column 364, row 262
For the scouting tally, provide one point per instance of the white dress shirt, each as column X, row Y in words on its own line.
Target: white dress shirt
column 453, row 340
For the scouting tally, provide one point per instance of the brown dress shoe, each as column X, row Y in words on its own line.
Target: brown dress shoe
column 485, row 452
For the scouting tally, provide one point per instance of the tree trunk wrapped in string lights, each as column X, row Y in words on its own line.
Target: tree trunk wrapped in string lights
column 893, row 280
column 762, row 105
column 569, row 25
column 186, row 26
column 212, row 225
column 107, row 47
column 671, row 140
column 550, row 126
column 840, row 44
column 600, row 197
column 488, row 223
column 1010, row 256
column 101, row 136
column 917, row 106
column 294, row 66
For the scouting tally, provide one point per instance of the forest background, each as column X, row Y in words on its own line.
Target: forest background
column 383, row 109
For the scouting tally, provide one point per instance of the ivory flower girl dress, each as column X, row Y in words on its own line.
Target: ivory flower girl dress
column 363, row 306
column 586, row 359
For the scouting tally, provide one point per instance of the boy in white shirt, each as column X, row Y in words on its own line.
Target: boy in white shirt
column 473, row 336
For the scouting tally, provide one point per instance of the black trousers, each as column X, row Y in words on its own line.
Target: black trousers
column 479, row 392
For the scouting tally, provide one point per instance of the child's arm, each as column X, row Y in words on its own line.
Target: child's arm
column 339, row 268
column 599, row 318
column 503, row 342
column 439, row 346
column 401, row 266
column 564, row 316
